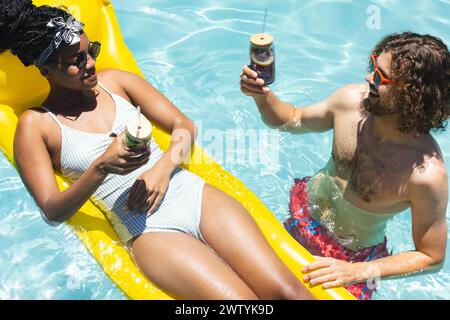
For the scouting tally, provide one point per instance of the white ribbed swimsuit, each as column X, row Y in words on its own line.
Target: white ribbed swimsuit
column 180, row 209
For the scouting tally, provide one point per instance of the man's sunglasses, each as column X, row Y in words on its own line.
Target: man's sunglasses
column 378, row 78
column 82, row 57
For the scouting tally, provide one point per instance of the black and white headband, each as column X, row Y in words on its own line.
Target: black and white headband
column 66, row 31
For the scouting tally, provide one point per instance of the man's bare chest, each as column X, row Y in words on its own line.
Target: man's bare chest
column 368, row 170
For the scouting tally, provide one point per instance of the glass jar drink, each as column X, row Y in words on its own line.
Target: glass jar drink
column 138, row 133
column 262, row 56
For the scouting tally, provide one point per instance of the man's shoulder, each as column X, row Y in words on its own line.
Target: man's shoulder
column 349, row 97
column 353, row 88
column 429, row 173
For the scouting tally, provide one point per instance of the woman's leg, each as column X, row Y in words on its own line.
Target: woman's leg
column 186, row 268
column 230, row 230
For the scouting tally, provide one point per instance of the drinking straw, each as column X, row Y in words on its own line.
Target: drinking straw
column 139, row 121
column 264, row 21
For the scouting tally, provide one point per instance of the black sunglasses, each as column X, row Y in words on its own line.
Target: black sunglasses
column 82, row 57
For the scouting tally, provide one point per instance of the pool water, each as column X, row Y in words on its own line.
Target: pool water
column 193, row 52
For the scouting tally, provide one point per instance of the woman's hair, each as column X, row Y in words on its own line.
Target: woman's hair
column 23, row 28
column 421, row 67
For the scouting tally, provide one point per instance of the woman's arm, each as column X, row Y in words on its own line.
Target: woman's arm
column 160, row 111
column 149, row 189
column 36, row 170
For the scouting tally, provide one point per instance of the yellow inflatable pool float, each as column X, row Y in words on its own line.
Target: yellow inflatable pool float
column 22, row 88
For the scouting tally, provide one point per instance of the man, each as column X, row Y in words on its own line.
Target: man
column 383, row 161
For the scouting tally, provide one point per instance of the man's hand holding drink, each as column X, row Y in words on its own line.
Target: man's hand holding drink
column 261, row 71
column 251, row 85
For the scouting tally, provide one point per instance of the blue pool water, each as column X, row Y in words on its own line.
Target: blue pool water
column 193, row 52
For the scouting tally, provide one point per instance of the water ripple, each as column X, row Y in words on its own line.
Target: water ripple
column 194, row 54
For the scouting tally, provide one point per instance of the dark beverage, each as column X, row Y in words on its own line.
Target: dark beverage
column 262, row 56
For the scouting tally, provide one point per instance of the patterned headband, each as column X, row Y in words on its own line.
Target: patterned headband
column 66, row 31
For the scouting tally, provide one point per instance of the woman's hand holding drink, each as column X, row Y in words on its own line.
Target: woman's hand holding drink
column 121, row 160
column 138, row 132
column 130, row 150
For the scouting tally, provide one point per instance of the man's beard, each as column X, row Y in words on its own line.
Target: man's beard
column 373, row 104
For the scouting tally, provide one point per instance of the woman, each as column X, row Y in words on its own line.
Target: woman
column 191, row 239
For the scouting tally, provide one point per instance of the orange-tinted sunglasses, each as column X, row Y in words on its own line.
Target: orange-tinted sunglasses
column 378, row 78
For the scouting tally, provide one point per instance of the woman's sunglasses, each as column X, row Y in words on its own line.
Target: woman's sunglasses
column 378, row 78
column 82, row 57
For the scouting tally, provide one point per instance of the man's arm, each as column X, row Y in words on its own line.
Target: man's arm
column 285, row 116
column 428, row 194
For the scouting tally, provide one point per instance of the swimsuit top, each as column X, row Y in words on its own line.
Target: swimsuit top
column 80, row 148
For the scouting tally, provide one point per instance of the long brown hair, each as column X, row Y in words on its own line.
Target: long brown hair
column 422, row 64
